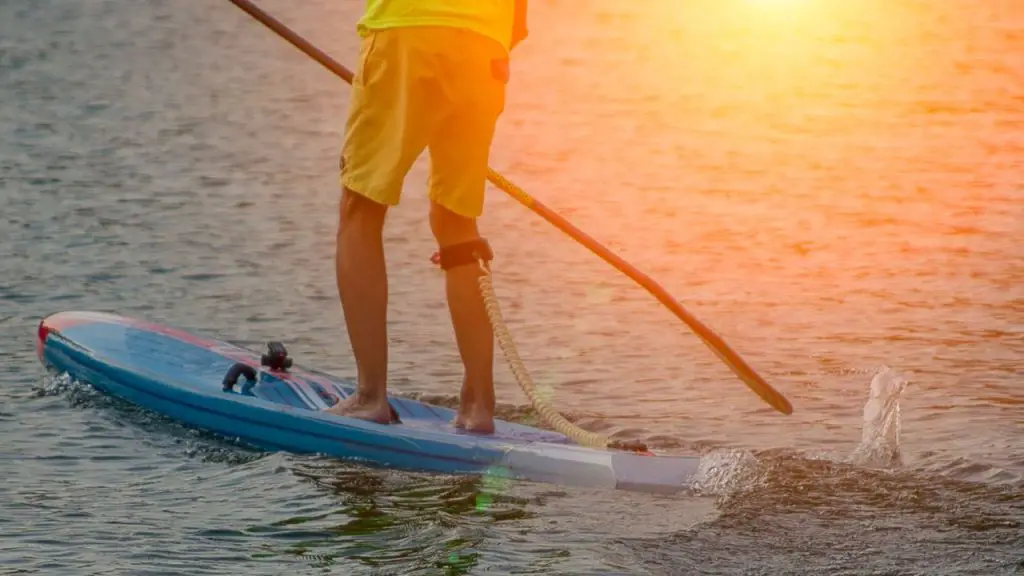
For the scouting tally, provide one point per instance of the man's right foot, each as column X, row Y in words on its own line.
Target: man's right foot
column 477, row 420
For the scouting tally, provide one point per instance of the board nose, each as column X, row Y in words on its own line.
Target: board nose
column 53, row 324
column 41, row 333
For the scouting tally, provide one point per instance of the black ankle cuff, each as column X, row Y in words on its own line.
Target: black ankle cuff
column 465, row 253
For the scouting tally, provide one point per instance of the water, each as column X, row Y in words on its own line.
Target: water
column 834, row 187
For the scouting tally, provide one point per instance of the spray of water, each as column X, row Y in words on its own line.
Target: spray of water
column 724, row 472
column 721, row 472
column 880, row 435
column 194, row 443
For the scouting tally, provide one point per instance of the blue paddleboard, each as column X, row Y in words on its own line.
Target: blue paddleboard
column 181, row 375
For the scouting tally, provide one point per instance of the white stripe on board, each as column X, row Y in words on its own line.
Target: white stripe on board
column 312, row 399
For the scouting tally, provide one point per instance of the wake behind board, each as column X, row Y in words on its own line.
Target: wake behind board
column 181, row 375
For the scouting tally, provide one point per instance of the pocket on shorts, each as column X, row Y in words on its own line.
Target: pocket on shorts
column 500, row 69
column 366, row 58
column 500, row 72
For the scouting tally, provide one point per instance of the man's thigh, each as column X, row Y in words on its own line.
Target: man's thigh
column 390, row 117
column 472, row 87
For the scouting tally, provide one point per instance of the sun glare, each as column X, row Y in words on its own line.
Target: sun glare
column 776, row 3
column 781, row 53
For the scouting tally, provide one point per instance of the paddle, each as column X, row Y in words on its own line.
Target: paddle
column 731, row 359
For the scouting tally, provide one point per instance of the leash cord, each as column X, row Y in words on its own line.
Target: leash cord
column 525, row 381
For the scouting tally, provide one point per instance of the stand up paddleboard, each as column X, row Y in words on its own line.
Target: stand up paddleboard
column 271, row 404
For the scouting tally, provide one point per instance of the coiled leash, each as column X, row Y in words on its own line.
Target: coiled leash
column 479, row 252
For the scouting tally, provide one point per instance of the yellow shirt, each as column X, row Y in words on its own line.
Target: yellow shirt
column 492, row 18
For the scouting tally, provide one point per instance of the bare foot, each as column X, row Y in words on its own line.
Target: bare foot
column 354, row 407
column 477, row 420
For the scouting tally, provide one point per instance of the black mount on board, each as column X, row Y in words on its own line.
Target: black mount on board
column 276, row 357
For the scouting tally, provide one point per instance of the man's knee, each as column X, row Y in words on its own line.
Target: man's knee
column 359, row 210
column 450, row 228
column 458, row 239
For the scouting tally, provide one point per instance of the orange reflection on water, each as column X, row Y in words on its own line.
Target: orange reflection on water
column 778, row 165
column 809, row 100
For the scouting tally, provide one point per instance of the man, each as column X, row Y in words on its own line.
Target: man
column 432, row 74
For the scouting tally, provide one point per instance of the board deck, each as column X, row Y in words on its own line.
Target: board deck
column 179, row 374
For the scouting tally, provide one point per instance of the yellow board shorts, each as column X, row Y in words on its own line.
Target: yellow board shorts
column 440, row 88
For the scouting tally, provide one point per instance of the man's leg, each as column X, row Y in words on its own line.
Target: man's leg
column 473, row 332
column 474, row 78
column 363, row 288
column 388, row 127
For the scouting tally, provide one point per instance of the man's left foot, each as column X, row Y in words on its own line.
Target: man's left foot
column 354, row 407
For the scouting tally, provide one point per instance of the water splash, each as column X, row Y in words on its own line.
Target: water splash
column 78, row 393
column 720, row 472
column 194, row 443
column 880, row 434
